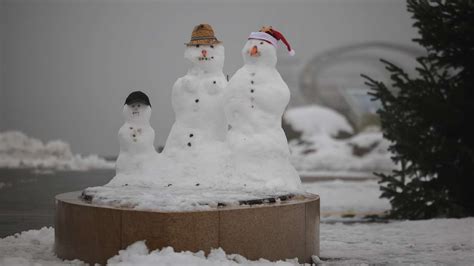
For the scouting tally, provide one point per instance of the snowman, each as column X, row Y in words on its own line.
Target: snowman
column 195, row 144
column 255, row 100
column 136, row 137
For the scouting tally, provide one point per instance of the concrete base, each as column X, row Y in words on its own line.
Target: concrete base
column 274, row 231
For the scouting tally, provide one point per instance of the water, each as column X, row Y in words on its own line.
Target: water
column 27, row 197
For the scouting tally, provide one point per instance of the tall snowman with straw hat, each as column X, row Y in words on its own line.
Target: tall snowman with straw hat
column 255, row 100
column 197, row 100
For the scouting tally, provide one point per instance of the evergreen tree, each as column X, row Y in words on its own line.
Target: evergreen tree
column 429, row 117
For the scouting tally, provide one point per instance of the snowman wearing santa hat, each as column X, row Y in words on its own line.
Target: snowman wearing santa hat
column 255, row 100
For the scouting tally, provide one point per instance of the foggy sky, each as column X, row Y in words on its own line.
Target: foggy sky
column 67, row 66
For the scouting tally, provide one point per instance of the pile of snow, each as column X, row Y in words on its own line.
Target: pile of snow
column 138, row 253
column 364, row 152
column 318, row 149
column 20, row 151
column 438, row 241
column 313, row 120
column 33, row 247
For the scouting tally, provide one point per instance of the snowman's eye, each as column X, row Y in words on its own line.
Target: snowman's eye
column 197, row 45
column 212, row 46
column 138, row 105
column 261, row 43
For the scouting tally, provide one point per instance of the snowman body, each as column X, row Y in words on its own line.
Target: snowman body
column 137, row 152
column 196, row 141
column 255, row 100
column 197, row 101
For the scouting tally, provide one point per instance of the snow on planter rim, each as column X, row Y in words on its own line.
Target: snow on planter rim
column 174, row 199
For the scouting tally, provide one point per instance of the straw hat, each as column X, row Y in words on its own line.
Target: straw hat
column 203, row 34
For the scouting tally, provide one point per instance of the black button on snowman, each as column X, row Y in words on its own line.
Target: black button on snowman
column 252, row 90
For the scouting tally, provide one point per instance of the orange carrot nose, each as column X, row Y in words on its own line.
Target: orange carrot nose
column 254, row 51
column 204, row 53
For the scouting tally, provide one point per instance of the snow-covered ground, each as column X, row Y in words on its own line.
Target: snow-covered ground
column 426, row 242
column 348, row 198
column 320, row 148
column 20, row 151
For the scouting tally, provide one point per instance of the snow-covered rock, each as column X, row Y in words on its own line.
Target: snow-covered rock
column 17, row 150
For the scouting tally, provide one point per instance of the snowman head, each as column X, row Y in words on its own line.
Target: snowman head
column 206, row 57
column 261, row 47
column 137, row 108
column 259, row 52
column 204, row 51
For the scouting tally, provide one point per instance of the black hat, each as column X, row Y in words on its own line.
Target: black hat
column 137, row 97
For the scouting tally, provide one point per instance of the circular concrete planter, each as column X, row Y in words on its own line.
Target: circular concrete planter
column 274, row 231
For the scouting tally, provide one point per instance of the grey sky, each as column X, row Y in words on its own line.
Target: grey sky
column 67, row 66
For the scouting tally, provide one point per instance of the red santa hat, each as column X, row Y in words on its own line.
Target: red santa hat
column 272, row 36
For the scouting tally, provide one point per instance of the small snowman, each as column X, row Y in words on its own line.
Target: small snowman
column 255, row 100
column 198, row 134
column 136, row 137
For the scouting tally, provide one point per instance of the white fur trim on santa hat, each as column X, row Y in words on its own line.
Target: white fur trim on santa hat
column 264, row 36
